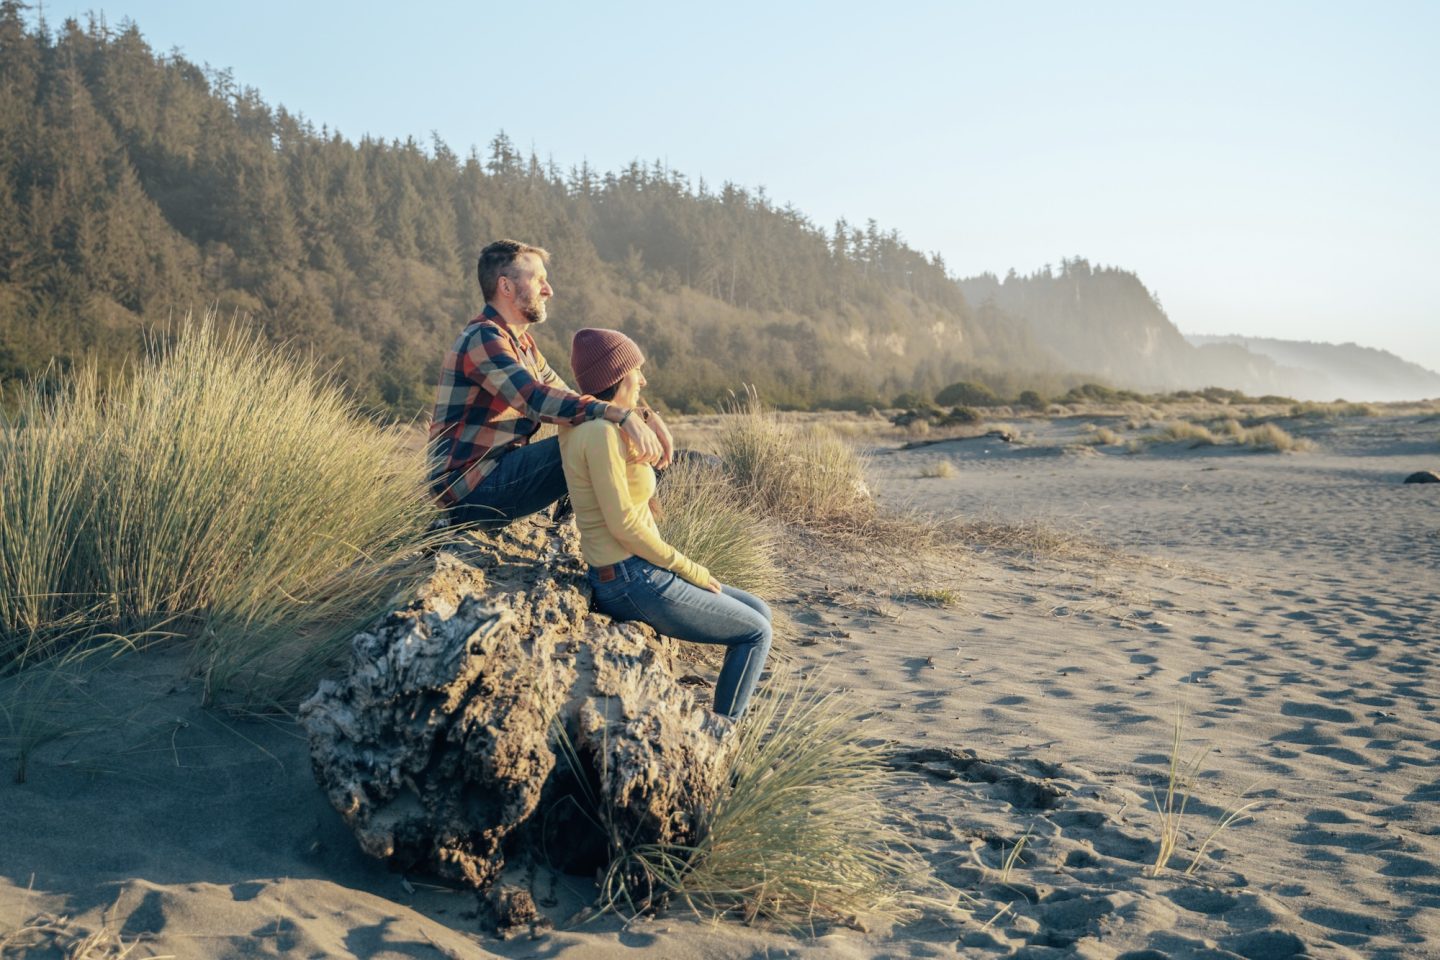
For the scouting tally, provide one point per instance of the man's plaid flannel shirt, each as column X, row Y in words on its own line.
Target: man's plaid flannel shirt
column 495, row 390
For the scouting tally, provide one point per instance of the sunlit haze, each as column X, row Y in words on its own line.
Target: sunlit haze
column 1265, row 169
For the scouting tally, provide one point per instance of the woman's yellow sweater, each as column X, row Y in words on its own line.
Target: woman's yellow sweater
column 611, row 497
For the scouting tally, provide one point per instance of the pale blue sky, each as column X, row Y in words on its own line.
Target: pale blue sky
column 1266, row 168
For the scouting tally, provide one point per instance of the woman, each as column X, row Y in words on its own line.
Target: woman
column 635, row 574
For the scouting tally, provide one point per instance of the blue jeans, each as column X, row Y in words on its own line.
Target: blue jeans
column 676, row 608
column 526, row 480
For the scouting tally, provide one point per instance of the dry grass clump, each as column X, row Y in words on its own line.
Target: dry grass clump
column 1103, row 437
column 1338, row 410
column 47, row 935
column 224, row 491
column 800, row 835
column 1030, row 539
column 933, row 596
column 940, row 469
column 1183, row 430
column 803, row 475
column 702, row 518
column 1267, row 436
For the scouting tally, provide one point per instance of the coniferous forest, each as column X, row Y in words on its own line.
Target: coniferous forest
column 137, row 187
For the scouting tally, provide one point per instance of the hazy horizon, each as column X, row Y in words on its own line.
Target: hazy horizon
column 1263, row 172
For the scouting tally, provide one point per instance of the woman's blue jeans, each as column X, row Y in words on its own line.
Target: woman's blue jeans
column 676, row 608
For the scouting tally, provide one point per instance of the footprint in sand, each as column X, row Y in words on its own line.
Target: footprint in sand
column 1315, row 711
column 1203, row 900
column 1266, row 945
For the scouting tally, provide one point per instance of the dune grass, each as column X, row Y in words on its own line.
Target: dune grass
column 1265, row 436
column 1104, row 437
column 1007, row 865
column 50, row 700
column 939, row 470
column 1337, row 410
column 1268, row 436
column 799, row 837
column 803, row 475
column 225, row 492
column 1180, row 783
column 1180, row 431
column 702, row 518
column 919, row 427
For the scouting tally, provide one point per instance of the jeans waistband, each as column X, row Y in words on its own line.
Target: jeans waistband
column 626, row 569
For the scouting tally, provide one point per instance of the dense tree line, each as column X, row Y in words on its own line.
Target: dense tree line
column 136, row 187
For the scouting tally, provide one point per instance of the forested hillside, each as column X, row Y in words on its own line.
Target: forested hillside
column 135, row 187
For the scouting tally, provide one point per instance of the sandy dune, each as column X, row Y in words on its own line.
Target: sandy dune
column 1287, row 606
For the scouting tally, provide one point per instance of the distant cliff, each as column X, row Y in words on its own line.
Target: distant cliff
column 1097, row 320
column 1103, row 321
column 1330, row 370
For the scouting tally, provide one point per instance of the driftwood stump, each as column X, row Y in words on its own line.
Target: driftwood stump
column 486, row 714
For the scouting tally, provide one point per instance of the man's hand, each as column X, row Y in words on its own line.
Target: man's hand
column 644, row 445
column 667, row 442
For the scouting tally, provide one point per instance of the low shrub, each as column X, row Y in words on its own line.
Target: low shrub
column 968, row 394
column 1098, row 393
column 912, row 401
column 959, row 416
column 1031, row 400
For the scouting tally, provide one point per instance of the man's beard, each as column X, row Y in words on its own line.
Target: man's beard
column 534, row 311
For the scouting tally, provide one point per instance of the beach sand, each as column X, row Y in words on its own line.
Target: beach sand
column 1286, row 606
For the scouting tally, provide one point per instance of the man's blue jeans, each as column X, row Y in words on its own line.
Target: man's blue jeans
column 526, row 480
column 676, row 608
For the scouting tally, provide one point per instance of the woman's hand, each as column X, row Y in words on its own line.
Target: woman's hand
column 713, row 586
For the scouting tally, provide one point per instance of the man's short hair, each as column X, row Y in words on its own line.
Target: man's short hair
column 498, row 260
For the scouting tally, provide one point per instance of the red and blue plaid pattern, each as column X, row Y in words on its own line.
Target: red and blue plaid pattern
column 495, row 390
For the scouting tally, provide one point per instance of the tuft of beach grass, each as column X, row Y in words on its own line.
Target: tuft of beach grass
column 1181, row 778
column 804, row 475
column 225, row 489
column 701, row 517
column 800, row 836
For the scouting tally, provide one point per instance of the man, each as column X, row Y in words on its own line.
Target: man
column 496, row 389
